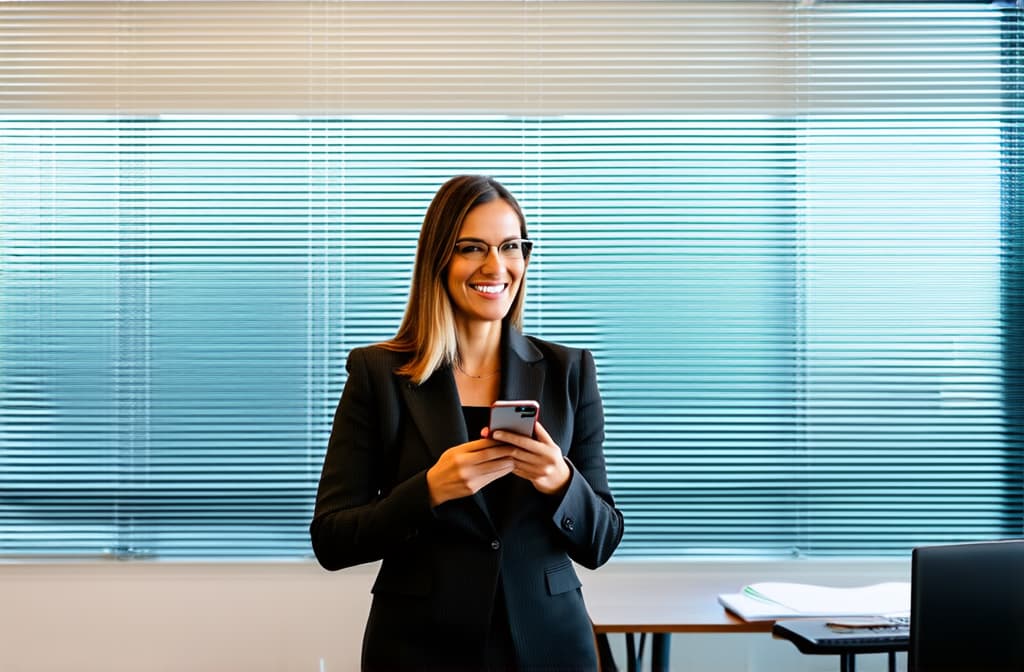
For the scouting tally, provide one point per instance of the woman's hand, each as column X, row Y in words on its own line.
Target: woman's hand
column 463, row 469
column 538, row 460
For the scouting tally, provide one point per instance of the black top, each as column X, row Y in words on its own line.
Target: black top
column 496, row 493
column 500, row 649
column 477, row 418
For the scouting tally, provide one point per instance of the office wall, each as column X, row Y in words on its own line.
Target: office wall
column 163, row 617
column 281, row 617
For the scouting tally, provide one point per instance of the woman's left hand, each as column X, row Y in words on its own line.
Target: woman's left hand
column 538, row 460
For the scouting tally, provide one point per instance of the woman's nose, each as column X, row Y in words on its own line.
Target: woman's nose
column 493, row 260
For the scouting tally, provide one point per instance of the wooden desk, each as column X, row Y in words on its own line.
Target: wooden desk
column 660, row 604
column 661, row 598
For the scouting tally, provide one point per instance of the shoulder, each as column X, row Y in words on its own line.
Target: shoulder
column 375, row 359
column 568, row 366
column 571, row 358
column 553, row 350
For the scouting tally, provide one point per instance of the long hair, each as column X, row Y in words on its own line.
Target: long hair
column 428, row 330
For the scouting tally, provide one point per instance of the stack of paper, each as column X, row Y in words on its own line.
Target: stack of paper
column 772, row 600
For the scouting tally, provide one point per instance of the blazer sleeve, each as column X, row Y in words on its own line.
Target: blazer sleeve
column 358, row 517
column 586, row 515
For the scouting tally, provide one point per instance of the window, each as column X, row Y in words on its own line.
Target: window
column 801, row 314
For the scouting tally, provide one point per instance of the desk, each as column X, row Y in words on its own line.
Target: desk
column 661, row 598
column 638, row 605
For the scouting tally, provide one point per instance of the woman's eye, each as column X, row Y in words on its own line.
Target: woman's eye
column 510, row 246
column 470, row 248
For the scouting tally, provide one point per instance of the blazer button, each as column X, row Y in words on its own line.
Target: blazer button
column 495, row 544
column 568, row 524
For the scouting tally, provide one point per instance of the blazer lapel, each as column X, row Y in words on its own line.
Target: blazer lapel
column 523, row 367
column 437, row 412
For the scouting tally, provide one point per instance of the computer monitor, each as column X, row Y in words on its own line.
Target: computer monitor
column 967, row 607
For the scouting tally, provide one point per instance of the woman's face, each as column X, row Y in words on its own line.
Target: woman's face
column 484, row 289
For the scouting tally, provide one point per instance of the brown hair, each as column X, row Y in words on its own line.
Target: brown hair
column 428, row 327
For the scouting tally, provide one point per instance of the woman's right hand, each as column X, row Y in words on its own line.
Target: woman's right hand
column 463, row 469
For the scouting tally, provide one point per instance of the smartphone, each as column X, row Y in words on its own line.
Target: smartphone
column 515, row 416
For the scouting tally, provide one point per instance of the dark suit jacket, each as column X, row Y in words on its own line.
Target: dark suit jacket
column 434, row 593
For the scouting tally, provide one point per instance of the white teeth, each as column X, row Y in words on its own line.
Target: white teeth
column 489, row 289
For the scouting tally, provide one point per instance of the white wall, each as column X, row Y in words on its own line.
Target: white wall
column 149, row 617
column 295, row 617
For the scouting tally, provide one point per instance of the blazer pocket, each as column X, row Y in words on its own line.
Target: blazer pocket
column 402, row 578
column 561, row 578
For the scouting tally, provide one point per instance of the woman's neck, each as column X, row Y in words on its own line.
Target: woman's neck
column 478, row 368
column 479, row 348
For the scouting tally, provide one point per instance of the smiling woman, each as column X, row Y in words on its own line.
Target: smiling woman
column 477, row 531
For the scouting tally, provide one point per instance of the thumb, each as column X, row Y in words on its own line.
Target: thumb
column 541, row 434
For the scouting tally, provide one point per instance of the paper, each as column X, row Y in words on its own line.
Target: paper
column 771, row 600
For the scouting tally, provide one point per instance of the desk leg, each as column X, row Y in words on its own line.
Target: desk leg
column 661, row 650
column 847, row 662
column 661, row 645
column 634, row 653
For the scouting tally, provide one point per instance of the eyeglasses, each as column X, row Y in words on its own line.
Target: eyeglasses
column 477, row 250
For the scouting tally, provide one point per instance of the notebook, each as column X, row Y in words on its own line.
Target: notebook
column 775, row 600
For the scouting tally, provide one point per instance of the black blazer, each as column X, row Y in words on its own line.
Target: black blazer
column 434, row 593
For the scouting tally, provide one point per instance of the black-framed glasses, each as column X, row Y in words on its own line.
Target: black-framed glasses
column 474, row 249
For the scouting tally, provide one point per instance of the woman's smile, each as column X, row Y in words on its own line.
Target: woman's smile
column 491, row 290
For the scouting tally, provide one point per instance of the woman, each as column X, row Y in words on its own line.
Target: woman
column 477, row 535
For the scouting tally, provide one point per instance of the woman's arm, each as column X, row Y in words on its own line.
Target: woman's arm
column 586, row 516
column 358, row 516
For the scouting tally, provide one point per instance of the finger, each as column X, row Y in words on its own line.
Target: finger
column 530, row 458
column 497, row 452
column 533, row 466
column 471, row 471
column 491, row 473
column 542, row 435
column 512, row 439
column 478, row 445
column 530, row 450
column 528, row 472
column 498, row 467
column 504, row 467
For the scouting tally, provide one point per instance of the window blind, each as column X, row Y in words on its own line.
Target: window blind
column 786, row 230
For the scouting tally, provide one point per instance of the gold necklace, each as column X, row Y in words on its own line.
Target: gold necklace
column 470, row 375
